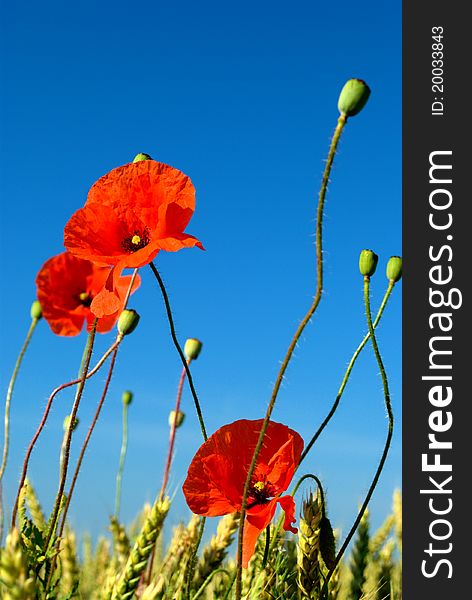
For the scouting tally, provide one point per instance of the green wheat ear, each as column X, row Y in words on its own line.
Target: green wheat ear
column 34, row 507
column 16, row 582
column 121, row 544
column 69, row 579
column 137, row 561
column 309, row 546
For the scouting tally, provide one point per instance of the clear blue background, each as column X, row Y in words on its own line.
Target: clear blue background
column 241, row 97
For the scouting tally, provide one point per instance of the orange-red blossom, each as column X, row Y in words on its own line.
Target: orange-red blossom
column 217, row 475
column 131, row 213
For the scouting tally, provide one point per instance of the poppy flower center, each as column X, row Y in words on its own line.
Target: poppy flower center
column 85, row 299
column 135, row 242
column 260, row 493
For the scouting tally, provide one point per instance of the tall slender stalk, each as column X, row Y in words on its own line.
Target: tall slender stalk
column 88, row 436
column 73, row 414
column 121, row 465
column 11, row 385
column 347, row 374
column 44, row 418
column 173, row 429
column 319, row 289
column 388, row 440
column 179, row 349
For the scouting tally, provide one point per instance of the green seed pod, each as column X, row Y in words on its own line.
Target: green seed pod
column 36, row 310
column 192, row 348
column 141, row 156
column 67, row 422
column 368, row 262
column 128, row 321
column 353, row 97
column 394, row 268
column 127, row 397
column 178, row 418
column 327, row 543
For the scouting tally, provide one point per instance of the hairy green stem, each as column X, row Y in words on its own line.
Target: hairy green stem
column 193, row 558
column 319, row 289
column 173, row 429
column 388, row 440
column 121, row 466
column 347, row 374
column 179, row 349
column 89, row 434
column 11, row 385
column 73, row 414
column 170, row 452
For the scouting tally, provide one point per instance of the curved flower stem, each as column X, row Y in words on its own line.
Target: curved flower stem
column 11, row 385
column 73, row 414
column 207, row 581
column 292, row 493
column 388, row 407
column 44, row 418
column 173, row 429
column 306, row 319
column 347, row 374
column 88, row 436
column 179, row 349
column 121, row 465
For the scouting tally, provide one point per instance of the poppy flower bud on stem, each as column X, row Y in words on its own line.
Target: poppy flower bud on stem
column 141, row 156
column 36, row 310
column 368, row 263
column 192, row 348
column 394, row 268
column 353, row 97
column 176, row 417
column 128, row 321
column 127, row 397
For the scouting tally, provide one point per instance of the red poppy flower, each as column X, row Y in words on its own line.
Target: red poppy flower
column 66, row 286
column 217, row 474
column 131, row 214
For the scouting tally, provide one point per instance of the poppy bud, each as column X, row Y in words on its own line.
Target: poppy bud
column 177, row 418
column 36, row 310
column 327, row 543
column 353, row 97
column 141, row 156
column 368, row 263
column 192, row 348
column 127, row 398
column 128, row 321
column 67, row 422
column 394, row 268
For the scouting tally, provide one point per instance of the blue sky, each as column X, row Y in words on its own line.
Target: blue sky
column 242, row 98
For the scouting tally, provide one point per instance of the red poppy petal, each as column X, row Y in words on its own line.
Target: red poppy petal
column 145, row 187
column 179, row 241
column 205, row 490
column 288, row 506
column 96, row 233
column 282, row 464
column 62, row 322
column 261, row 515
column 255, row 523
